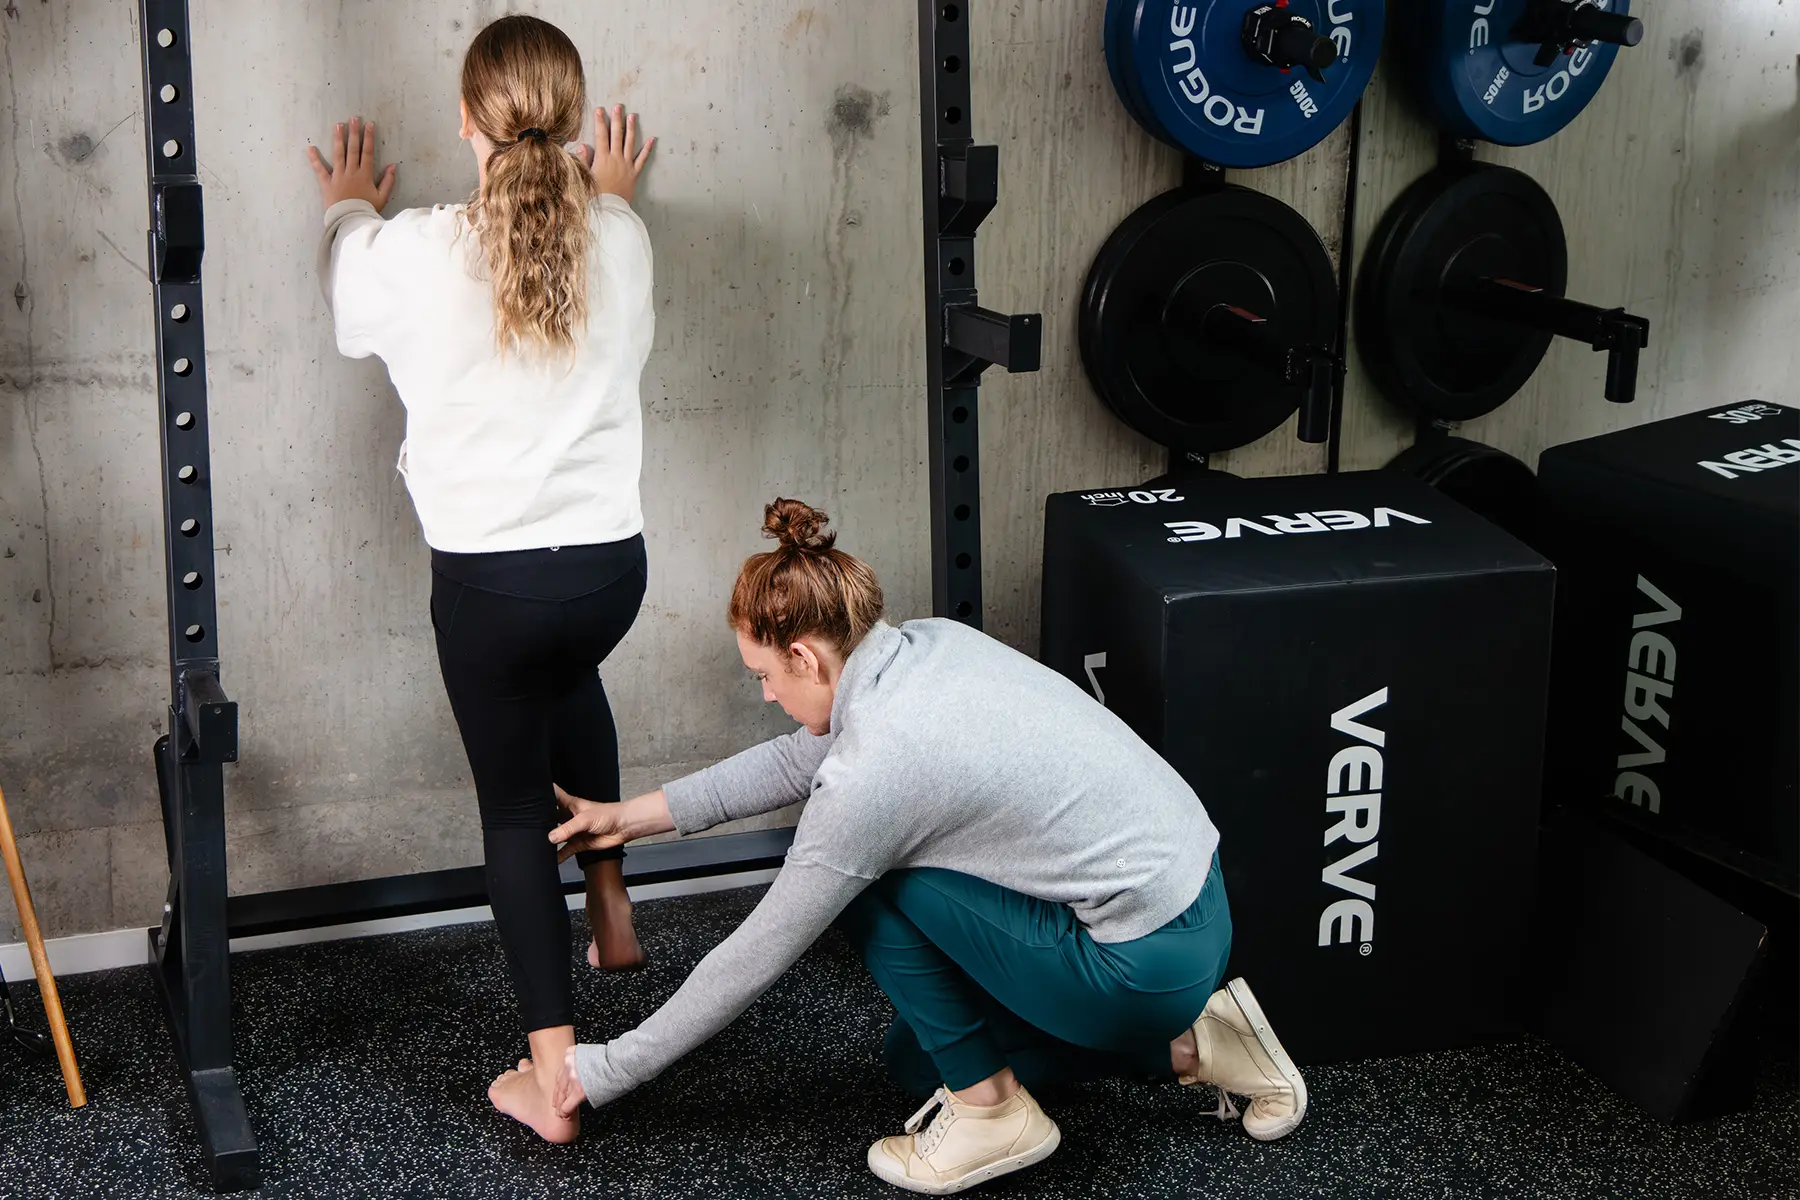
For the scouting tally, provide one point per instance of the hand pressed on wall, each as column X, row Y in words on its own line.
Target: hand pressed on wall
column 618, row 163
column 351, row 173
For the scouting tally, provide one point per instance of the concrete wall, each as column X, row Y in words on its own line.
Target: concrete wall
column 783, row 203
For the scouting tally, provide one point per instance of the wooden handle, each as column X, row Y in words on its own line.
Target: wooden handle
column 40, row 961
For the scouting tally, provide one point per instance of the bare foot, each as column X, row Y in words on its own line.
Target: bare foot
column 569, row 1092
column 521, row 1096
column 614, row 947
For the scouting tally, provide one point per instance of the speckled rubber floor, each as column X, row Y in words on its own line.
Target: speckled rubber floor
column 365, row 1066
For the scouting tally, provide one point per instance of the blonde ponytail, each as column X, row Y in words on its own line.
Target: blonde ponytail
column 523, row 85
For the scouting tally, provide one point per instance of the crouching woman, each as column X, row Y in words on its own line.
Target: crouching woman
column 1036, row 891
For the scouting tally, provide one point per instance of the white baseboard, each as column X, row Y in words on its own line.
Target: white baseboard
column 78, row 955
column 86, row 952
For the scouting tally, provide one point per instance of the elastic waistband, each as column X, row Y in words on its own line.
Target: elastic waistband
column 552, row 573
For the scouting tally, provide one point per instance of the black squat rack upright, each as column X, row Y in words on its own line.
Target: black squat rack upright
column 190, row 951
column 959, row 182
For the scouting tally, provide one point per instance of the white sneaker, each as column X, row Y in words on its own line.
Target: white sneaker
column 965, row 1145
column 1240, row 1054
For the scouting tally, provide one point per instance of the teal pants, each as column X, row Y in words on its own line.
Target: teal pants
column 983, row 978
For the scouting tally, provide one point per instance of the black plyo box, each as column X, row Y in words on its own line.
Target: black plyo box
column 1677, row 655
column 1350, row 671
column 1643, row 976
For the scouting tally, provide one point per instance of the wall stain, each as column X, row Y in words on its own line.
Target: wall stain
column 854, row 111
column 803, row 23
column 1688, row 51
column 104, row 662
column 80, row 146
column 77, row 147
column 31, row 401
column 850, row 123
column 1688, row 54
column 26, row 377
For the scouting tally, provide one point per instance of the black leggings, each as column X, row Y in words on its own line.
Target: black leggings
column 520, row 639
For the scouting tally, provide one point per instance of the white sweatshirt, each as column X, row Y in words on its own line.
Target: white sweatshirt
column 500, row 454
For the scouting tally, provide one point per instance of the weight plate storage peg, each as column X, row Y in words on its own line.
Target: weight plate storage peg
column 1461, row 292
column 1239, row 83
column 1511, row 72
column 1208, row 318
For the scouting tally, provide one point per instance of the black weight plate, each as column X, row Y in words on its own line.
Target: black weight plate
column 1371, row 279
column 1186, row 252
column 1119, row 243
column 1486, row 481
column 1464, row 220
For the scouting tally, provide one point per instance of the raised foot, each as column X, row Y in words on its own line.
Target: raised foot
column 615, row 947
column 520, row 1096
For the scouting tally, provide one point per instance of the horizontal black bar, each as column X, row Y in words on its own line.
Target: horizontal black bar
column 1013, row 341
column 209, row 718
column 1535, row 308
column 464, row 887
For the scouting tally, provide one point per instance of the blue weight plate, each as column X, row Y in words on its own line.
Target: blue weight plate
column 1117, row 36
column 1202, row 86
column 1477, row 76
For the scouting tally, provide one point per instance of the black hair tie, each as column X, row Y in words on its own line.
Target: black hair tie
column 539, row 134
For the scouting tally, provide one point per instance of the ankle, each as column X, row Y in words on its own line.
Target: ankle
column 605, row 878
column 1184, row 1055
column 609, row 910
column 996, row 1089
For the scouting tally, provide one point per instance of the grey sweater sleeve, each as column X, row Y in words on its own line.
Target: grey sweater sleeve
column 799, row 906
column 759, row 780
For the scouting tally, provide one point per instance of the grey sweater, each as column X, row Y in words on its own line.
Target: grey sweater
column 947, row 749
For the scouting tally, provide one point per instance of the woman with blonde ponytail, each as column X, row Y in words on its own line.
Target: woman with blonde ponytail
column 515, row 328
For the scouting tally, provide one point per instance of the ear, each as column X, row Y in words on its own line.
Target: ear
column 466, row 131
column 806, row 662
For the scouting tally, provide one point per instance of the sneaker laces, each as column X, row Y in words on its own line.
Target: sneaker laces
column 924, row 1143
column 1227, row 1110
